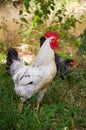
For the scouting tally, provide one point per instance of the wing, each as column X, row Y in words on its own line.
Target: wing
column 37, row 76
column 19, row 74
column 33, row 75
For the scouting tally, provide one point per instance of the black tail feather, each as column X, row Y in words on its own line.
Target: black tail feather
column 12, row 54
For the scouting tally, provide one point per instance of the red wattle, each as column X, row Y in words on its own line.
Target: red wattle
column 54, row 44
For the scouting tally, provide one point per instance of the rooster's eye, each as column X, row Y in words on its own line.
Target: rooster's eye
column 53, row 40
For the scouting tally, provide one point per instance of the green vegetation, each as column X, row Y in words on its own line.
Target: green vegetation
column 82, row 48
column 64, row 105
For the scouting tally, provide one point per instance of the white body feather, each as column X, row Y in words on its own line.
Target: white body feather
column 32, row 79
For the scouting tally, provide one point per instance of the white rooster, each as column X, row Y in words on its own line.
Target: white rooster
column 34, row 79
column 63, row 66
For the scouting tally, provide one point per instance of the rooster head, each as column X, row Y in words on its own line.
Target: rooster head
column 70, row 61
column 73, row 62
column 54, row 40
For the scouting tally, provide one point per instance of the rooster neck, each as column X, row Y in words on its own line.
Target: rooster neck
column 45, row 54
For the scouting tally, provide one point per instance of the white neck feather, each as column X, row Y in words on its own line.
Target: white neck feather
column 45, row 54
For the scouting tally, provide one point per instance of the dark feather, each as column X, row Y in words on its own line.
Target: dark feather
column 29, row 83
column 42, row 40
column 11, row 55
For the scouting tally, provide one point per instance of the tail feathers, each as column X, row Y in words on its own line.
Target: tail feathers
column 12, row 54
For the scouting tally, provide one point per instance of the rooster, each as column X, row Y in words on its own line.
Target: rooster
column 63, row 66
column 33, row 79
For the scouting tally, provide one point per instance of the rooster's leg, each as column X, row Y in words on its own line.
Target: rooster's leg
column 21, row 105
column 40, row 97
column 37, row 106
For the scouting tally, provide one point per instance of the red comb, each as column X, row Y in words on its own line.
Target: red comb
column 51, row 33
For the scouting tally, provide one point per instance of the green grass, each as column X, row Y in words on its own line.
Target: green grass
column 63, row 106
